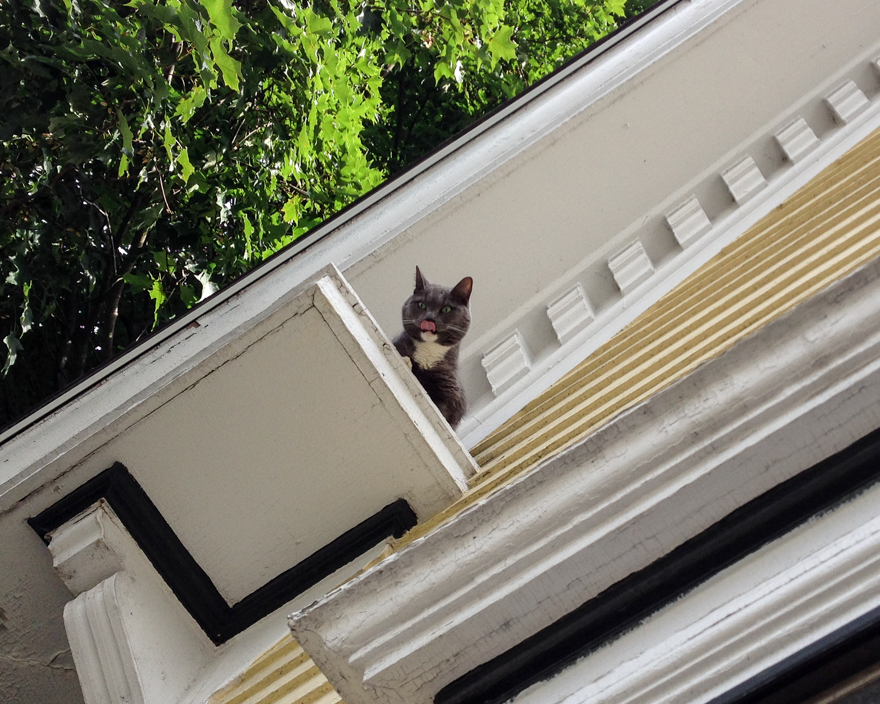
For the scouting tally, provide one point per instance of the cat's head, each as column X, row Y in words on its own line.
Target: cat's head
column 438, row 314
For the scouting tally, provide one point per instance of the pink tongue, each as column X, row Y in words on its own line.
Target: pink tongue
column 428, row 326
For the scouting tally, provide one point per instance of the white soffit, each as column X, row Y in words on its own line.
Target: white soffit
column 268, row 451
column 802, row 388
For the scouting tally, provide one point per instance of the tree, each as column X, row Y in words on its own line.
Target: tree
column 153, row 151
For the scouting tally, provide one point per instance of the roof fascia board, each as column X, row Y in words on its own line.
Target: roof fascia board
column 390, row 210
column 558, row 536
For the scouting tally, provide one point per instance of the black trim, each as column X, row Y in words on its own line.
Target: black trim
column 825, row 664
column 189, row 582
column 624, row 605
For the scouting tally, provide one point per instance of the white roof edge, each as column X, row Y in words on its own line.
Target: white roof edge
column 45, row 437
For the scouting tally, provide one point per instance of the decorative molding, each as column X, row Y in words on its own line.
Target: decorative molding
column 797, row 140
column 570, row 314
column 775, row 605
column 506, row 363
column 744, row 180
column 847, row 102
column 685, row 328
column 627, row 603
column 81, row 554
column 174, row 564
column 630, row 267
column 688, row 222
column 784, row 181
column 560, row 535
column 101, row 651
column 838, row 659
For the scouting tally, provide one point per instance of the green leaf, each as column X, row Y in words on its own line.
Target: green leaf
column 220, row 12
column 168, row 141
column 157, row 293
column 289, row 211
column 230, row 68
column 188, row 105
column 616, row 7
column 502, row 46
column 186, row 168
column 315, row 24
column 188, row 296
column 13, row 347
column 27, row 319
column 248, row 237
column 125, row 130
column 138, row 282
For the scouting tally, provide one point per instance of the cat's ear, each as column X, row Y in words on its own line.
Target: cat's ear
column 421, row 281
column 462, row 290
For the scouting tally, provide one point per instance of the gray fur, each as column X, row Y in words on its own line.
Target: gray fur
column 435, row 359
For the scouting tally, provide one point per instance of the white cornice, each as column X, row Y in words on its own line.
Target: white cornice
column 752, row 616
column 794, row 393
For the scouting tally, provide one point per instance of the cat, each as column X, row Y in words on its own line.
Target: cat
column 435, row 319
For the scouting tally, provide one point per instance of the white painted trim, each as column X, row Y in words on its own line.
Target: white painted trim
column 658, row 475
column 847, row 102
column 101, row 651
column 688, row 222
column 570, row 314
column 132, row 640
column 797, row 140
column 631, row 267
column 396, row 205
column 506, row 363
column 744, row 180
column 745, row 620
column 81, row 554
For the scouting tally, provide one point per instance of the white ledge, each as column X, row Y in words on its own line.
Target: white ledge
column 60, row 435
column 524, row 557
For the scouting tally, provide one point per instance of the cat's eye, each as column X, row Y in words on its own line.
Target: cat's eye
column 422, row 305
column 446, row 309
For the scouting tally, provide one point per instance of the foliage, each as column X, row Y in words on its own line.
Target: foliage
column 153, row 150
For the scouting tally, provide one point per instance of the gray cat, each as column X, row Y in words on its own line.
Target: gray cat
column 435, row 320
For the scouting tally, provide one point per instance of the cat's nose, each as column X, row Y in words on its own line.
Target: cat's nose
column 428, row 326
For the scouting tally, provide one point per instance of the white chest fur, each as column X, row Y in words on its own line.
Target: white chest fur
column 428, row 354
